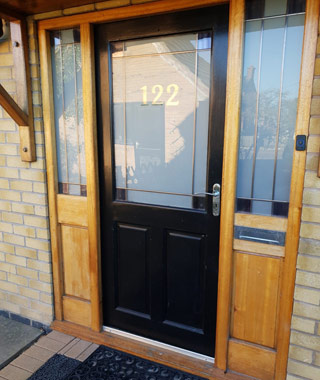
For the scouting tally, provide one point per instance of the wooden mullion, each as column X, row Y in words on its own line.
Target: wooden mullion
column 229, row 179
column 91, row 149
column 52, row 175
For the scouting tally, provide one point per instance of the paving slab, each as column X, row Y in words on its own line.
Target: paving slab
column 77, row 349
column 15, row 337
column 50, row 344
column 27, row 363
column 11, row 372
column 90, row 350
column 39, row 353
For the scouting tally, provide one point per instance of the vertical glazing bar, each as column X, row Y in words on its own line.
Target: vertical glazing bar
column 63, row 111
column 194, row 112
column 256, row 116
column 125, row 119
column 279, row 107
column 76, row 106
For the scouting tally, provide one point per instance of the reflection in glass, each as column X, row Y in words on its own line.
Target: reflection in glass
column 68, row 107
column 271, row 71
column 160, row 119
column 256, row 9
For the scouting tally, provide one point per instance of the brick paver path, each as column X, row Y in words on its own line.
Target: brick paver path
column 34, row 357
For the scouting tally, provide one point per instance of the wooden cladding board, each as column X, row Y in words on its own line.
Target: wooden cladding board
column 72, row 210
column 77, row 311
column 255, row 301
column 75, row 256
column 273, row 223
column 251, row 360
column 263, row 249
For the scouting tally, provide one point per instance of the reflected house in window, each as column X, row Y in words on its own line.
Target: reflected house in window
column 68, row 101
column 161, row 92
column 271, row 71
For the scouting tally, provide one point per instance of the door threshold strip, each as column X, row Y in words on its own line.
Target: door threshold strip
column 158, row 344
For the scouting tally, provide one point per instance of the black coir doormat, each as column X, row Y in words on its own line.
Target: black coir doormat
column 108, row 364
column 56, row 368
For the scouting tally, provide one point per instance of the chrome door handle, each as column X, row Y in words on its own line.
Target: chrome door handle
column 216, row 199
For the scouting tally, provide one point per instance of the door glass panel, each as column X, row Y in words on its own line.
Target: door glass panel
column 160, row 119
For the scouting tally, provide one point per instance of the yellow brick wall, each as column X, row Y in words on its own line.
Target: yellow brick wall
column 25, row 268
column 304, row 353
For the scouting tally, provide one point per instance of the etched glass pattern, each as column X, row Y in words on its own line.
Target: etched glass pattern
column 68, row 110
column 271, row 72
column 161, row 92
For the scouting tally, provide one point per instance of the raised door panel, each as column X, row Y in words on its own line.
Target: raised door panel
column 75, row 252
column 185, row 280
column 255, row 303
column 132, row 270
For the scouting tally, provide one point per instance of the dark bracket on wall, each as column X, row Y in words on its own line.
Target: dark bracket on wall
column 20, row 110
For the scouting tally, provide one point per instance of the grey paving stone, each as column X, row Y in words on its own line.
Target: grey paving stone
column 27, row 363
column 15, row 337
column 85, row 354
column 50, row 344
column 60, row 337
column 77, row 349
column 68, row 346
column 39, row 353
column 11, row 372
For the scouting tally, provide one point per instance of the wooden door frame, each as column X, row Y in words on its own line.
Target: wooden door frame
column 232, row 117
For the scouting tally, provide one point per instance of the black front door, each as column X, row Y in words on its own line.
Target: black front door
column 161, row 100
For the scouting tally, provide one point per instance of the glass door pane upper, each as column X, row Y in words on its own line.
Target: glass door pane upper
column 161, row 94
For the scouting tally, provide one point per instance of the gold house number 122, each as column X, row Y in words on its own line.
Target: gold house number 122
column 157, row 90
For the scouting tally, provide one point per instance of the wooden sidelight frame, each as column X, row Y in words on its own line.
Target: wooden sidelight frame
column 83, row 212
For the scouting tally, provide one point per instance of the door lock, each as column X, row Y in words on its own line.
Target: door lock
column 216, row 199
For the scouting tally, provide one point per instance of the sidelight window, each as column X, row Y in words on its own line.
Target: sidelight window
column 271, row 71
column 68, row 107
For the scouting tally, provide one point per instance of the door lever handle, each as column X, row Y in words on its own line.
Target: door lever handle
column 215, row 198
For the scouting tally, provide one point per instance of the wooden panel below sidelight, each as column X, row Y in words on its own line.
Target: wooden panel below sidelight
column 77, row 311
column 263, row 249
column 251, row 360
column 72, row 210
column 255, row 301
column 75, row 258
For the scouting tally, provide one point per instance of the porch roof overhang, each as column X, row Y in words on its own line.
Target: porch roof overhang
column 17, row 9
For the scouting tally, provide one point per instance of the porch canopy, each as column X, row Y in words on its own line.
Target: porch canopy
column 17, row 9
